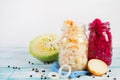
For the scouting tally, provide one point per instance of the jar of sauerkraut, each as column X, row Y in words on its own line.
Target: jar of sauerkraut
column 73, row 46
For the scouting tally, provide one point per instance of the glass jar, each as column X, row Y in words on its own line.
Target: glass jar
column 100, row 41
column 73, row 46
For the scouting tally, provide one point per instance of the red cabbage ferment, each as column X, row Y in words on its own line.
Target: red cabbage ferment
column 100, row 41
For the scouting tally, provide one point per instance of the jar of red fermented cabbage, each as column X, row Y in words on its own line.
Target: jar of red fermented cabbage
column 100, row 41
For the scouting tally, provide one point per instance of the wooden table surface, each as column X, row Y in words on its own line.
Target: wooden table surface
column 19, row 58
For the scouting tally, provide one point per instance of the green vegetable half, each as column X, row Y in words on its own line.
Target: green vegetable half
column 45, row 47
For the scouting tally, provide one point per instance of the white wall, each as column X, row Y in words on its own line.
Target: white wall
column 22, row 20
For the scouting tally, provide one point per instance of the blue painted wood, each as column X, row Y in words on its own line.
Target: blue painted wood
column 19, row 57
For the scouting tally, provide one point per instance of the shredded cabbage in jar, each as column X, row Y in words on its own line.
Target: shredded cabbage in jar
column 73, row 46
column 100, row 41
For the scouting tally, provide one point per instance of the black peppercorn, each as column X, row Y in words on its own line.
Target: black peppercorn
column 109, row 70
column 114, row 78
column 45, row 77
column 54, row 75
column 13, row 67
column 43, row 70
column 33, row 69
column 8, row 66
column 29, row 62
column 18, row 68
column 79, row 76
column 89, row 74
column 37, row 71
column 30, row 75
column 108, row 76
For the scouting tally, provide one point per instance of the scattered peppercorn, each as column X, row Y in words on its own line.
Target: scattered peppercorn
column 114, row 78
column 108, row 76
column 89, row 74
column 109, row 70
column 29, row 62
column 8, row 66
column 18, row 68
column 43, row 70
column 45, row 77
column 13, row 67
column 54, row 75
column 30, row 75
column 79, row 76
column 33, row 69
column 37, row 71
column 32, row 63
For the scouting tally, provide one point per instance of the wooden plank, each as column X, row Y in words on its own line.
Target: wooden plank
column 19, row 57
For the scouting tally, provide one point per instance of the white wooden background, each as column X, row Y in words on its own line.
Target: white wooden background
column 22, row 20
